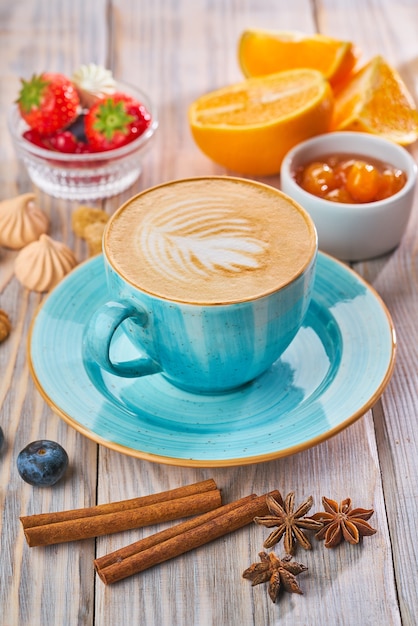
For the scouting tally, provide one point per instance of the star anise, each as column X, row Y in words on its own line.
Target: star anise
column 341, row 521
column 288, row 522
column 279, row 573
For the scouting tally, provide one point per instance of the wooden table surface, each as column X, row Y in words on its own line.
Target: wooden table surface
column 176, row 51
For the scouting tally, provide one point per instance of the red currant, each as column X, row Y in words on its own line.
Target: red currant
column 63, row 142
column 36, row 138
column 83, row 148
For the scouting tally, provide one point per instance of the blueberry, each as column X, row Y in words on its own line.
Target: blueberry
column 42, row 463
column 1, row 438
column 77, row 129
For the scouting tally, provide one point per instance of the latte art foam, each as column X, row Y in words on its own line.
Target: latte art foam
column 210, row 240
column 184, row 242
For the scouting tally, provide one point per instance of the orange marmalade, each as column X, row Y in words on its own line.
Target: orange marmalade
column 350, row 178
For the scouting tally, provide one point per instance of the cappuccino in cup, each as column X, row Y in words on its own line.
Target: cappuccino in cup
column 210, row 240
column 210, row 278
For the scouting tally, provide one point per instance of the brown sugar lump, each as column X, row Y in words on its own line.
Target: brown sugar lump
column 83, row 216
column 93, row 234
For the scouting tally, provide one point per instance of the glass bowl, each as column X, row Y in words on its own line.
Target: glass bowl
column 84, row 176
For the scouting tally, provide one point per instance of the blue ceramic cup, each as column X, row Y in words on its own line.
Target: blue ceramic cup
column 209, row 277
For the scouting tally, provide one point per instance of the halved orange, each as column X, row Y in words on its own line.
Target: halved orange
column 376, row 100
column 262, row 52
column 248, row 127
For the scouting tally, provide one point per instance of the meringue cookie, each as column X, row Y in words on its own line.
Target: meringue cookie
column 21, row 221
column 42, row 264
column 93, row 82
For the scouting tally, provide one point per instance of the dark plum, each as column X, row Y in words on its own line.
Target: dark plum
column 42, row 463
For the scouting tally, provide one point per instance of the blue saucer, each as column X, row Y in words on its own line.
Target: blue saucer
column 333, row 372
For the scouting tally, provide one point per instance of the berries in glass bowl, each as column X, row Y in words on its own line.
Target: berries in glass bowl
column 82, row 138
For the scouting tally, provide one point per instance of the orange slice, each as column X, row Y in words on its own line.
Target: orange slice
column 262, row 52
column 377, row 101
column 249, row 126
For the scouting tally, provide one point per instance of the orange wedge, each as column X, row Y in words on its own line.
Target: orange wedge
column 248, row 127
column 377, row 101
column 262, row 52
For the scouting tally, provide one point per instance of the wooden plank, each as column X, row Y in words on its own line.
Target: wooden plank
column 388, row 30
column 44, row 586
column 205, row 587
column 396, row 424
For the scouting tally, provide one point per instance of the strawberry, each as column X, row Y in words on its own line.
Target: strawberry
column 48, row 102
column 115, row 121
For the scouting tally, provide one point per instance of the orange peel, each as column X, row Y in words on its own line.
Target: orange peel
column 262, row 52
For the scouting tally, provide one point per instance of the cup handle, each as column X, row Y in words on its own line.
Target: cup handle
column 99, row 334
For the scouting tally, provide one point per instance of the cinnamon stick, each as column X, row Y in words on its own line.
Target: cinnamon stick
column 101, row 563
column 29, row 521
column 117, row 521
column 115, row 567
